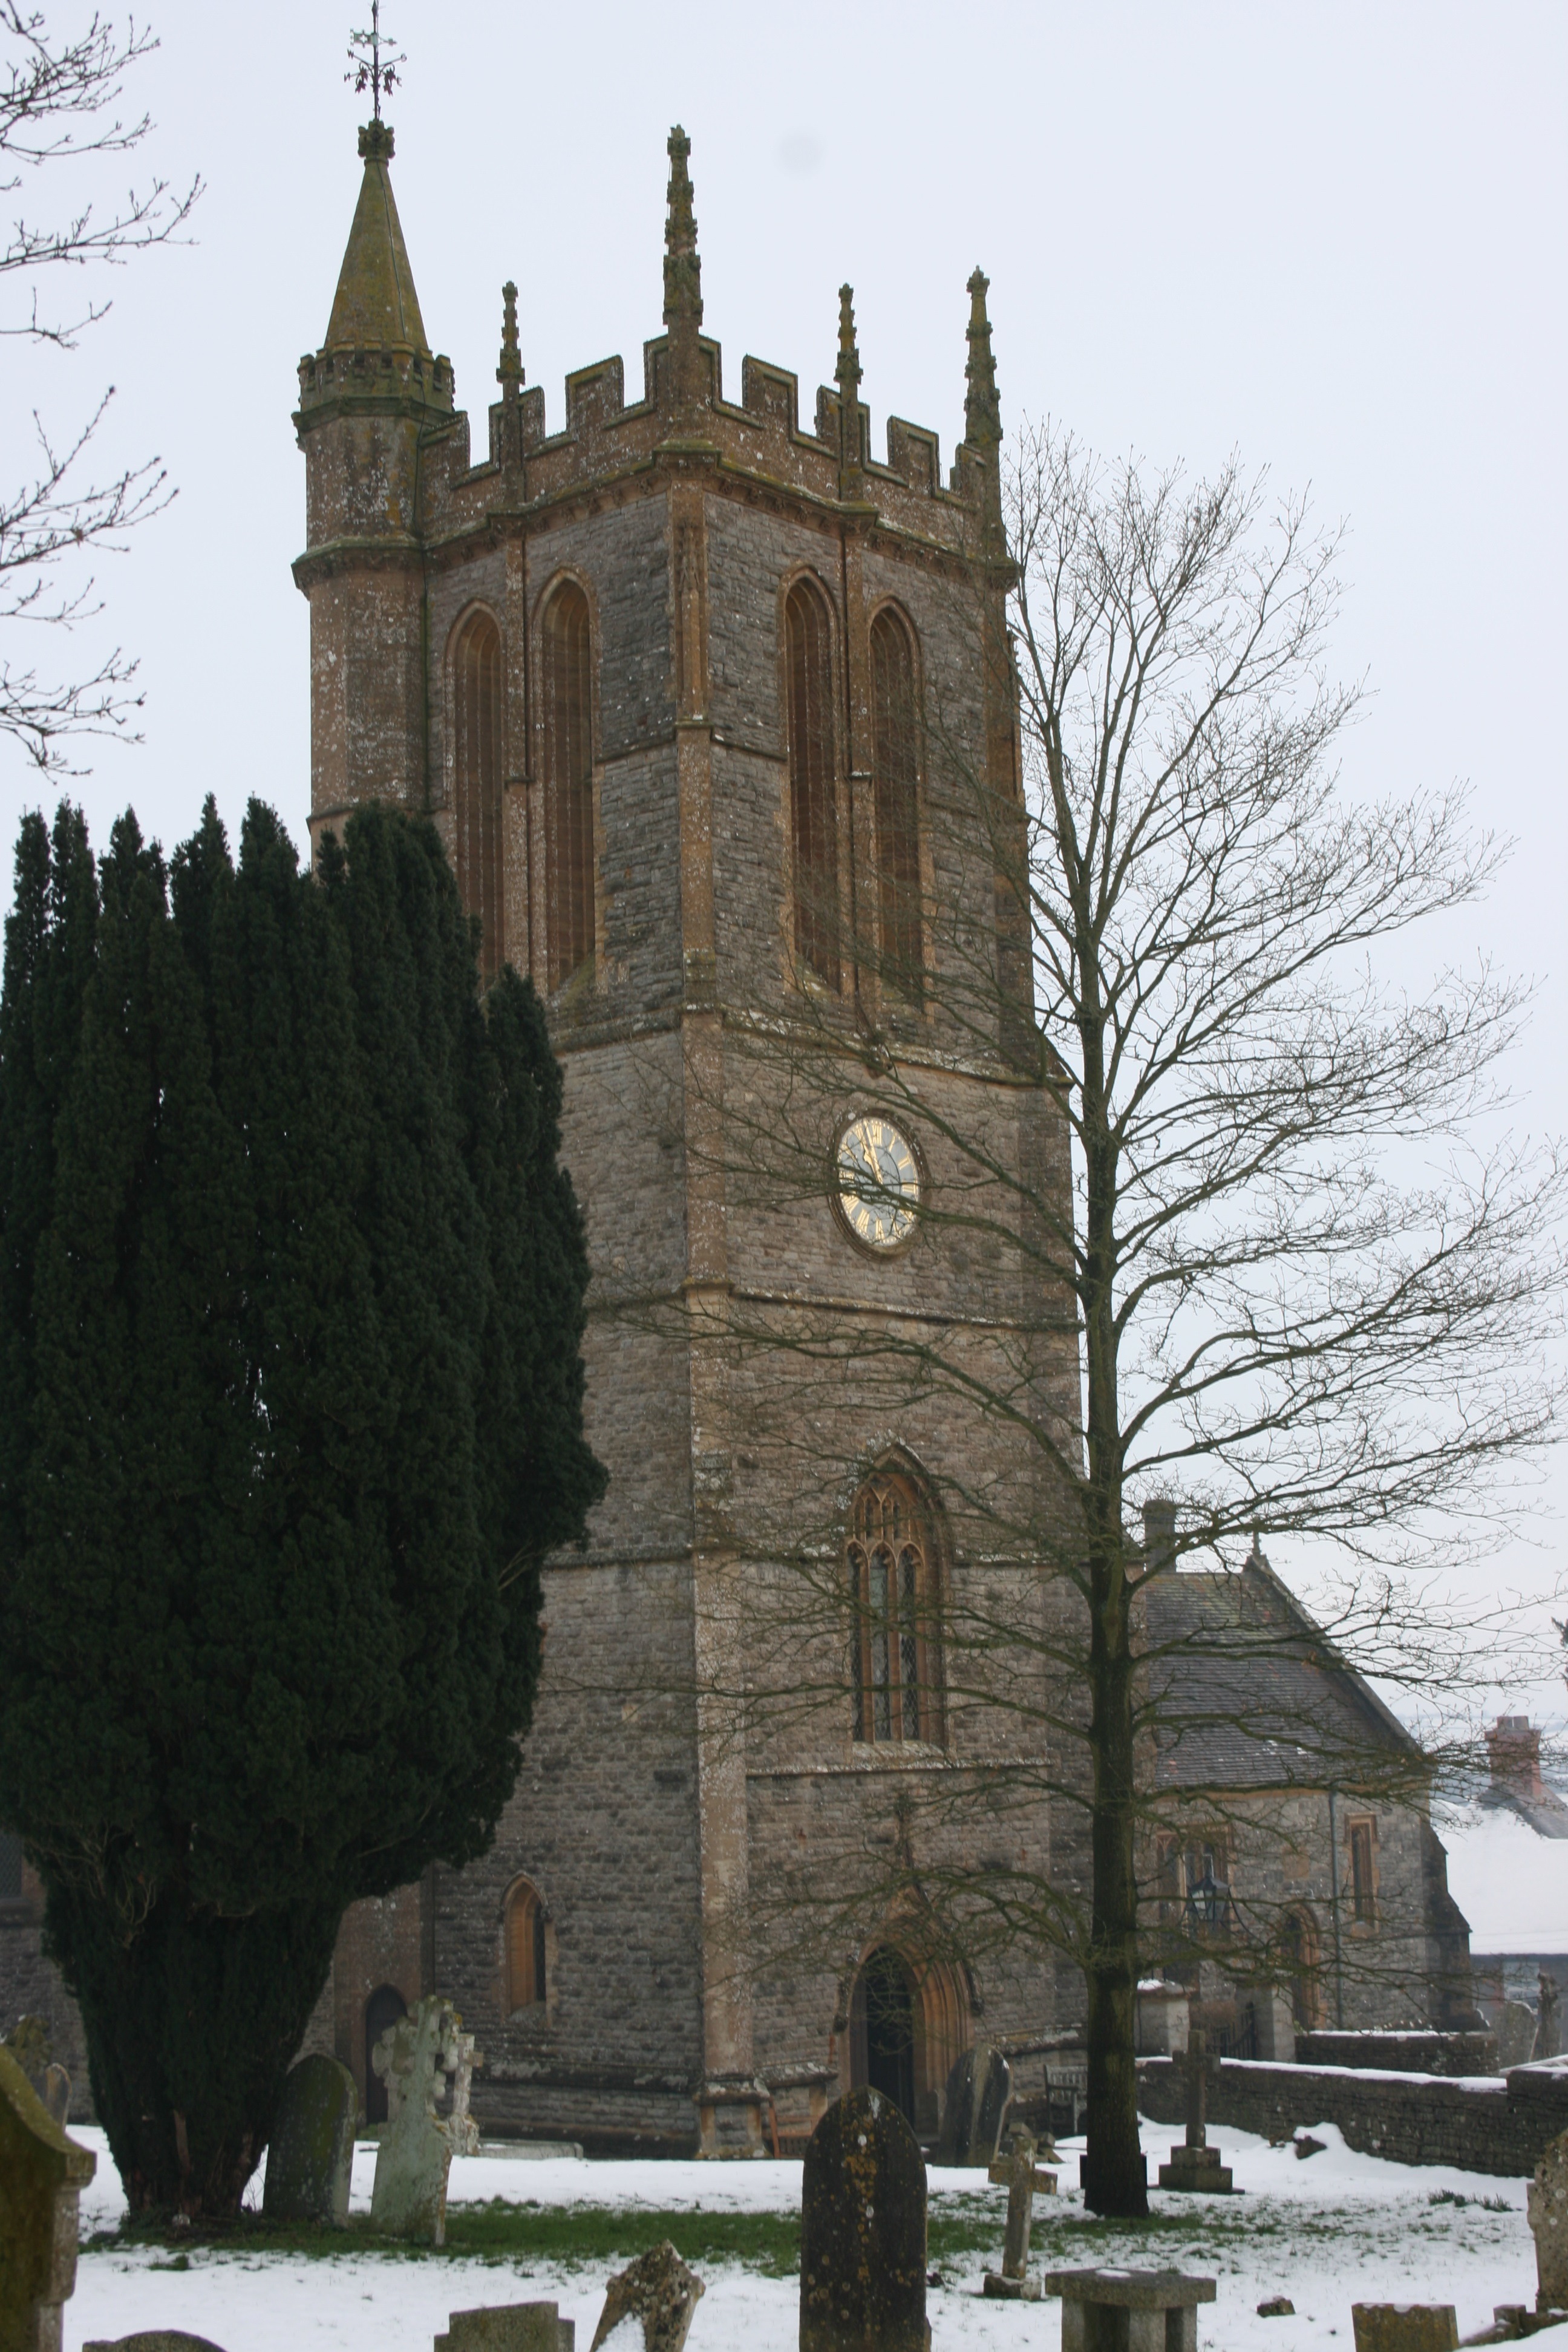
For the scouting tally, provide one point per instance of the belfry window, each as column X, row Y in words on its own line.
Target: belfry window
column 525, row 1947
column 568, row 764
column 897, row 1650
column 813, row 794
column 895, row 735
column 475, row 676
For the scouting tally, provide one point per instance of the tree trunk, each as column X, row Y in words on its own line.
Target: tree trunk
column 191, row 2027
column 1114, row 2178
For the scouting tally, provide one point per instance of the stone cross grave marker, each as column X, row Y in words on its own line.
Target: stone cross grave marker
column 508, row 2327
column 1195, row 2164
column 978, row 2088
column 651, row 2303
column 1547, row 2204
column 1129, row 2311
column 42, row 2176
column 311, row 2155
column 863, row 2232
column 412, row 2164
column 1019, row 2174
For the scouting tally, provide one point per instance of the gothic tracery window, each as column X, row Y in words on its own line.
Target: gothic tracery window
column 568, row 762
column 476, row 677
column 895, row 736
column 813, row 793
column 897, row 1663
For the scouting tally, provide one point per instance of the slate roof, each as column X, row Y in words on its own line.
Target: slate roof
column 1245, row 1692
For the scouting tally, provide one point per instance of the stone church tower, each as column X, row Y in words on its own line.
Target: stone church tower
column 664, row 679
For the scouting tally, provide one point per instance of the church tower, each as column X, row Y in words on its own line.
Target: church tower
column 659, row 676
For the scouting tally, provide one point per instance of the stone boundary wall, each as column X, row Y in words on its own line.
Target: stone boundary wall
column 1482, row 2124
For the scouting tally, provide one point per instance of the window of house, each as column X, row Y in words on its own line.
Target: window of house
column 896, row 795
column 525, row 1982
column 10, row 1867
column 813, row 791
column 476, row 677
column 1363, row 1886
column 893, row 1591
column 568, row 764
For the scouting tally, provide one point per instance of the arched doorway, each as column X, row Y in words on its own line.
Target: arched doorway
column 383, row 2008
column 883, row 2030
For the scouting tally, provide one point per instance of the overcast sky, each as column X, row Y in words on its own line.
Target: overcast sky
column 1330, row 237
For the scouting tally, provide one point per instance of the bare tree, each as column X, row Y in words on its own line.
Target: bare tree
column 59, row 105
column 1251, row 1237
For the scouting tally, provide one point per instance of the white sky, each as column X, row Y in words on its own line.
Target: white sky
column 1330, row 237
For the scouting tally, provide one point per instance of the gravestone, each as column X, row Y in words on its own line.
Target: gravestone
column 1548, row 2033
column 154, row 2340
column 1517, row 2027
column 311, row 2152
column 1546, row 2202
column 57, row 2093
column 42, row 2176
column 508, row 2327
column 1129, row 2311
column 863, row 2232
column 651, row 2303
column 978, row 2088
column 1405, row 2327
column 1194, row 2166
column 1019, row 2174
column 414, row 2157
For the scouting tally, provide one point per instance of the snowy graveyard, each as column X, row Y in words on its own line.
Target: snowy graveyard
column 1335, row 2229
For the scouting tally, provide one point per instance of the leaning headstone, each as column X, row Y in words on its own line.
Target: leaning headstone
column 1142, row 2311
column 863, row 2232
column 978, row 2088
column 508, row 2327
column 1517, row 2027
column 1546, row 2202
column 1018, row 2173
column 42, row 2176
column 1405, row 2327
column 415, row 2156
column 1194, row 2166
column 311, row 2155
column 658, row 2294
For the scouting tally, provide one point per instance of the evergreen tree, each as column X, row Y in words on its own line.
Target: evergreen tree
column 291, row 1296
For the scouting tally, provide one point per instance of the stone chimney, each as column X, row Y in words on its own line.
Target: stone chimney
column 1513, row 1749
column 1160, row 1533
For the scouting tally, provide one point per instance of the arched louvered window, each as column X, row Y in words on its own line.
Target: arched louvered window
column 476, row 675
column 894, row 1590
column 568, row 682
column 897, row 751
column 525, row 1947
column 813, row 795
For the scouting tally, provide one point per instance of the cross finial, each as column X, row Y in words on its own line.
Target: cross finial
column 682, row 266
column 368, row 67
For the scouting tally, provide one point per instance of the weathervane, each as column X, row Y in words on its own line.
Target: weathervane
column 369, row 72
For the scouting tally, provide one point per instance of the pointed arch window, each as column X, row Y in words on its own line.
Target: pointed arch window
column 894, row 1596
column 813, row 793
column 525, row 1958
column 568, row 762
column 476, row 675
column 896, row 748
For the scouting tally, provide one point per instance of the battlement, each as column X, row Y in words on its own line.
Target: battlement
column 395, row 373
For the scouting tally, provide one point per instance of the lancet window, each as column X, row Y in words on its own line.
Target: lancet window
column 568, row 764
column 896, row 746
column 813, row 794
column 894, row 1594
column 525, row 1947
column 476, row 684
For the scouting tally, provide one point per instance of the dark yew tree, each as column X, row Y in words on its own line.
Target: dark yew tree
column 291, row 1293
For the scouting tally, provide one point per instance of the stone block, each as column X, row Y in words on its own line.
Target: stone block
column 658, row 2294
column 863, row 2232
column 310, row 2158
column 508, row 2327
column 42, row 2176
column 1405, row 2326
column 1129, row 2310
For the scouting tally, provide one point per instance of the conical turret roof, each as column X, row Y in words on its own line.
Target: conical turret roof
column 375, row 302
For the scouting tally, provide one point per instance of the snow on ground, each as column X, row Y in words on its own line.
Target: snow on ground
column 1335, row 2229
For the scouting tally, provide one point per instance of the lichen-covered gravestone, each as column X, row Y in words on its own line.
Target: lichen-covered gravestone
column 651, row 2303
column 1405, row 2327
column 1547, row 2200
column 863, row 2232
column 310, row 2156
column 508, row 2327
column 409, row 2198
column 42, row 2176
column 978, row 2088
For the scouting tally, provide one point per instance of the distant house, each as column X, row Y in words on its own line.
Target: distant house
column 1507, row 1865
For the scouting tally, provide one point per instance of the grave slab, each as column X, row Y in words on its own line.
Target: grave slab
column 1129, row 2310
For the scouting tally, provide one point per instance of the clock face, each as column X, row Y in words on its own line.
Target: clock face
column 879, row 1183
